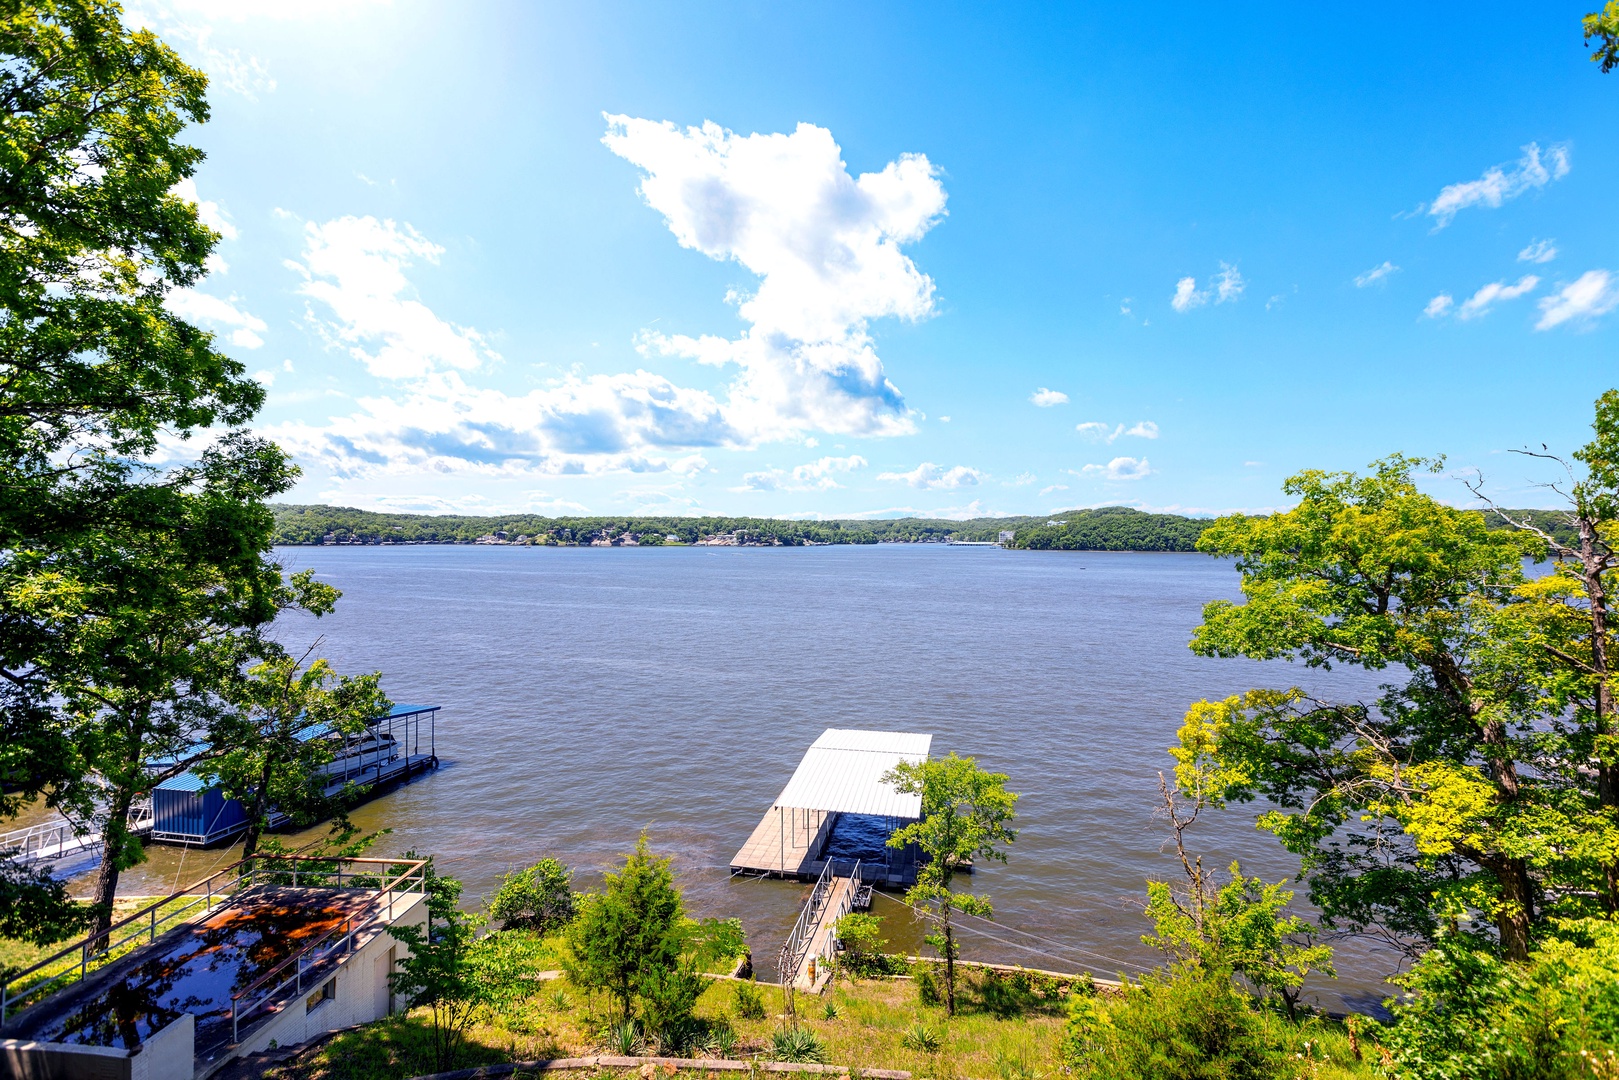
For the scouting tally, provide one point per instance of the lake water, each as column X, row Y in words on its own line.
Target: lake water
column 589, row 694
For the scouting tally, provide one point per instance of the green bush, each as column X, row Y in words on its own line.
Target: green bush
column 1466, row 1012
column 631, row 935
column 668, row 999
column 929, row 983
column 750, row 1005
column 921, row 1038
column 863, row 955
column 539, row 898
column 798, row 1044
column 1186, row 1024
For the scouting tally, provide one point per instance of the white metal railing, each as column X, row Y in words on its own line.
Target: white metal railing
column 46, row 840
column 844, row 906
column 330, row 947
column 218, row 890
column 798, row 942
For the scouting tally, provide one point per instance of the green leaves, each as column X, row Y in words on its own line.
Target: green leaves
column 1604, row 27
column 540, row 898
column 628, row 939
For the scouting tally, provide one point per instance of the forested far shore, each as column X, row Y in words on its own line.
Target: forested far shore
column 1108, row 528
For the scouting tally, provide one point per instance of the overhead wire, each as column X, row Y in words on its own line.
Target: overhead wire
column 1068, row 951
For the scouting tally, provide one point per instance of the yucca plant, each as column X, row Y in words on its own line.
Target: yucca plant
column 798, row 1044
column 625, row 1037
column 921, row 1038
column 830, row 1010
column 722, row 1041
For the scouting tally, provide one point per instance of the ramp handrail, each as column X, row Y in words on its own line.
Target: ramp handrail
column 798, row 941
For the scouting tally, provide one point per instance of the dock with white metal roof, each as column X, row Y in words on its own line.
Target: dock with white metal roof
column 841, row 773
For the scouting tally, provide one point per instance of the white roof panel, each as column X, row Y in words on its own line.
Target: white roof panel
column 842, row 773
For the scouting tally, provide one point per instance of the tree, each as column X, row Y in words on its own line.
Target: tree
column 289, row 717
column 1604, row 26
column 1412, row 811
column 965, row 811
column 1563, row 626
column 630, row 936
column 1239, row 927
column 437, row 972
column 157, row 619
column 540, row 898
column 93, row 367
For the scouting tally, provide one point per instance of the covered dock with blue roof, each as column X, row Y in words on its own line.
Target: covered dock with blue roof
column 187, row 809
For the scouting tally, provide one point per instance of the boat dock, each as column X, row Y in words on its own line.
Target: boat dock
column 189, row 810
column 840, row 775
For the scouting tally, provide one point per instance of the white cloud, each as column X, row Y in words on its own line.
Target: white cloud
column 1439, row 306
column 186, row 26
column 944, row 419
column 826, row 247
column 1120, row 468
column 812, row 476
column 1538, row 251
column 1022, row 479
column 1096, row 431
column 1494, row 293
column 209, row 212
column 1497, row 185
column 1045, row 399
column 928, row 476
column 1053, row 487
column 195, row 306
column 435, row 420
column 356, row 268
column 1228, row 284
column 1375, row 274
column 1186, row 295
column 1595, row 293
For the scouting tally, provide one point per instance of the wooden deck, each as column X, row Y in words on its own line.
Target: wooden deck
column 785, row 844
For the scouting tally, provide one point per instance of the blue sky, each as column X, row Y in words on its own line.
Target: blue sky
column 875, row 259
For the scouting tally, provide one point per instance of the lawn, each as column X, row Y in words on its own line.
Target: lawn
column 993, row 1035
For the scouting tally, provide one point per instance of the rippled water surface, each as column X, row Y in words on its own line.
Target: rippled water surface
column 592, row 693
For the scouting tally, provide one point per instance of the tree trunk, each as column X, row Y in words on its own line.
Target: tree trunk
column 256, row 812
column 949, row 966
column 114, row 837
column 1592, row 564
column 1517, row 909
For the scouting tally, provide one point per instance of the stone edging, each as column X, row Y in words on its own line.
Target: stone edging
column 605, row 1061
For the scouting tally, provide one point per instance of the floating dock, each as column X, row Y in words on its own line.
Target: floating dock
column 841, row 774
column 188, row 810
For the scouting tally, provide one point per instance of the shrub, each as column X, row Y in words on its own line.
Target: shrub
column 863, row 954
column 630, row 937
column 798, row 1044
column 750, row 1004
column 929, row 986
column 668, row 998
column 1467, row 1012
column 829, row 1010
column 1187, row 1024
column 921, row 1038
column 540, row 898
column 1016, row 1060
column 624, row 1037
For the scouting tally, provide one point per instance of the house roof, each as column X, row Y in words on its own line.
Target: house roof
column 842, row 773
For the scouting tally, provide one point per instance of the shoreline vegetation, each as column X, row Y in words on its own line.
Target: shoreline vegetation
column 1107, row 528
